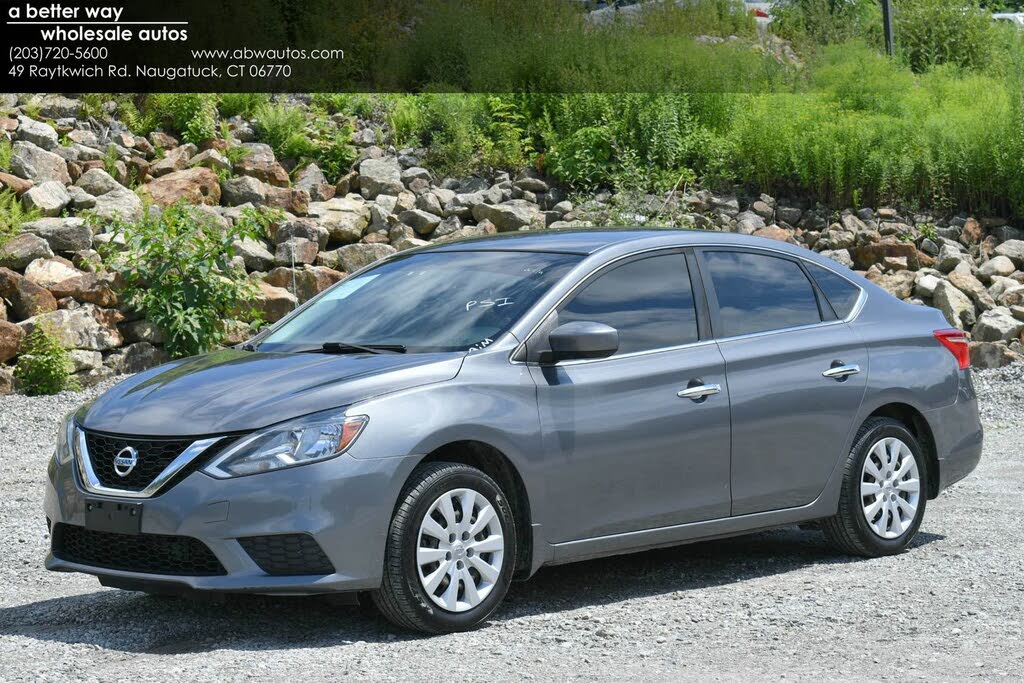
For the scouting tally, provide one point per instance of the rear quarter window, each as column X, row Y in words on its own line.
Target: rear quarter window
column 839, row 291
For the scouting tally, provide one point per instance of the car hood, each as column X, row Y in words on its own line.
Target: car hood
column 236, row 391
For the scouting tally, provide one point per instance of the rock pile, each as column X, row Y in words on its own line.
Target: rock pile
column 971, row 269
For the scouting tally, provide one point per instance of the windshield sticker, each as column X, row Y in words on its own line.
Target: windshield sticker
column 488, row 303
column 480, row 346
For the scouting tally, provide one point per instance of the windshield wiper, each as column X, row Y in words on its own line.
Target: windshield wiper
column 347, row 347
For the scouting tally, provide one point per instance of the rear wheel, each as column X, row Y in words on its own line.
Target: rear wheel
column 450, row 550
column 883, row 494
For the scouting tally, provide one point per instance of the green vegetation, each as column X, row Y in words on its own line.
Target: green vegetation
column 5, row 155
column 242, row 104
column 12, row 215
column 177, row 269
column 44, row 366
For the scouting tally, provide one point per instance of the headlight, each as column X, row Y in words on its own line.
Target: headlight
column 298, row 443
column 66, row 440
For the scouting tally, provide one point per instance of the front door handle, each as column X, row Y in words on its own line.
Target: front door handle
column 840, row 371
column 700, row 392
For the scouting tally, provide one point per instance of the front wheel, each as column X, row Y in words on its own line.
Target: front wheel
column 450, row 551
column 884, row 492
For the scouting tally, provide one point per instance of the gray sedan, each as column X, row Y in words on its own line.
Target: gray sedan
column 456, row 417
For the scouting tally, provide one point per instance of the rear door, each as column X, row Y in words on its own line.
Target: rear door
column 796, row 376
column 623, row 450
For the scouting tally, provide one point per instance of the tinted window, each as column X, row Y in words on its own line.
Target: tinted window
column 434, row 301
column 649, row 302
column 757, row 293
column 841, row 293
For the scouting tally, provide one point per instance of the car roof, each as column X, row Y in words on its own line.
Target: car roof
column 586, row 241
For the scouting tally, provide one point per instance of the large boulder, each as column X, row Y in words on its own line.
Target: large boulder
column 250, row 190
column 308, row 281
column 273, row 302
column 997, row 266
column 955, row 305
column 296, row 251
column 510, row 216
column 47, row 272
column 18, row 186
column 61, row 234
column 37, row 132
column 344, row 218
column 136, row 358
column 972, row 287
column 261, row 163
column 22, row 250
column 380, row 176
column 96, row 181
column 211, row 159
column 899, row 283
column 49, row 198
column 122, row 203
column 306, row 228
column 352, row 257
column 173, row 160
column 34, row 163
column 311, row 179
column 997, row 325
column 1013, row 250
column 26, row 297
column 254, row 254
column 90, row 288
column 421, row 221
column 987, row 355
column 197, row 185
column 10, row 340
column 87, row 328
column 867, row 255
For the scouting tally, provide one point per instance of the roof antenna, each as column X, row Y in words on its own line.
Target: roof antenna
column 295, row 292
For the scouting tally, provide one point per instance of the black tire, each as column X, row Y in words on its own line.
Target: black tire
column 401, row 597
column 848, row 531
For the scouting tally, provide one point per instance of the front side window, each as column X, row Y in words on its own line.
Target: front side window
column 758, row 293
column 428, row 302
column 649, row 302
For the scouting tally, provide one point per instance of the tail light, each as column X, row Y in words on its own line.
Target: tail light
column 956, row 342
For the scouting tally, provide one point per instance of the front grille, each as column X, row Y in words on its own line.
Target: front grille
column 144, row 553
column 287, row 554
column 154, row 456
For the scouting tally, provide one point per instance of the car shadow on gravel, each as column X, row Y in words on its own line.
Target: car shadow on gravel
column 133, row 622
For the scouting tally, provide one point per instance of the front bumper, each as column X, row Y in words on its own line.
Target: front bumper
column 345, row 504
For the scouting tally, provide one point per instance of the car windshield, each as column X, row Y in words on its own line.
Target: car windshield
column 426, row 302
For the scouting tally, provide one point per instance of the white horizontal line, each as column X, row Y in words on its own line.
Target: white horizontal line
column 97, row 23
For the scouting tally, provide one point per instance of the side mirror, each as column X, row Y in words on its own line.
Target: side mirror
column 576, row 340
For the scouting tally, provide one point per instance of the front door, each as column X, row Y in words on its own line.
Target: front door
column 623, row 450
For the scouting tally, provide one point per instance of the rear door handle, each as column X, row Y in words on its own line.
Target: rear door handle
column 841, row 371
column 700, row 392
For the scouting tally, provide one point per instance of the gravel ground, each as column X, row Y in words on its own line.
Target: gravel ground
column 774, row 605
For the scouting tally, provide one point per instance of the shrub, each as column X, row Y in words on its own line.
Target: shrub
column 405, row 118
column 283, row 128
column 44, row 366
column 5, row 155
column 139, row 121
column 933, row 32
column 244, row 104
column 812, row 23
column 12, row 214
column 192, row 115
column 176, row 267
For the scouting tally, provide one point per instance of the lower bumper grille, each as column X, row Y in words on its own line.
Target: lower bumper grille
column 287, row 554
column 144, row 553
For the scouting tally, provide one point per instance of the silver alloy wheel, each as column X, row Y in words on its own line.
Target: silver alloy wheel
column 459, row 550
column 890, row 488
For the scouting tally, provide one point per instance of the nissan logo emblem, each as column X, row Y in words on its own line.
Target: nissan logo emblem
column 125, row 461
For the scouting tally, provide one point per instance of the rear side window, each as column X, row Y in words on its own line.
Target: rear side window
column 840, row 292
column 649, row 302
column 758, row 293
